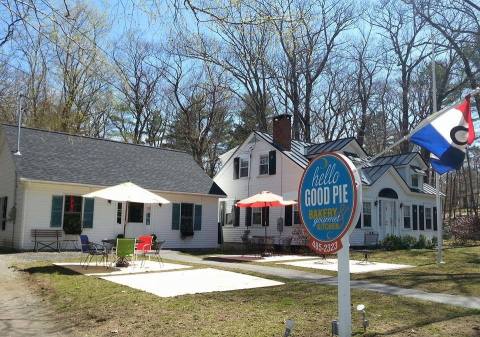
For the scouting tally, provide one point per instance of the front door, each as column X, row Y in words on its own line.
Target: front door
column 388, row 217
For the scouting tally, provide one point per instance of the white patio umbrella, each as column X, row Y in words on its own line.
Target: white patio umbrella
column 127, row 192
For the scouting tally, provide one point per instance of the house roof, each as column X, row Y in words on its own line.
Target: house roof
column 396, row 159
column 334, row 145
column 61, row 157
column 296, row 153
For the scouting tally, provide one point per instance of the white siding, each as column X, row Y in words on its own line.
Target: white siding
column 7, row 189
column 38, row 199
column 284, row 182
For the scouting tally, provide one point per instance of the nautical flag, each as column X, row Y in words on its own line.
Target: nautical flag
column 446, row 134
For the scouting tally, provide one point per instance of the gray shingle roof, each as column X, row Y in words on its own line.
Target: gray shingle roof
column 60, row 157
column 296, row 153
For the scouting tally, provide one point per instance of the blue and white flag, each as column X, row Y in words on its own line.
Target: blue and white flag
column 446, row 135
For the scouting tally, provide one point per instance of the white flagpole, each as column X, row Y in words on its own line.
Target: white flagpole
column 437, row 175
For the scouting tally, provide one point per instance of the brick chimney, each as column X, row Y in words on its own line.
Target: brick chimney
column 282, row 131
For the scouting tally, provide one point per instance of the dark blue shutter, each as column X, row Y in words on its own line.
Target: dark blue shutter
column 236, row 214
column 175, row 216
column 56, row 213
column 415, row 217
column 288, row 215
column 88, row 208
column 236, row 167
column 248, row 216
column 265, row 216
column 197, row 224
column 272, row 162
column 435, row 224
column 4, row 212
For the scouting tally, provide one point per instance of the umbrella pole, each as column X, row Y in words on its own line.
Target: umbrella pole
column 126, row 219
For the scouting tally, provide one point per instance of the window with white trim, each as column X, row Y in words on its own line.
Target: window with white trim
column 428, row 218
column 243, row 167
column 263, row 168
column 415, row 180
column 256, row 216
column 367, row 214
column 407, row 216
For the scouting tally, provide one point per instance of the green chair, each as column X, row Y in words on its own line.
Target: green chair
column 125, row 250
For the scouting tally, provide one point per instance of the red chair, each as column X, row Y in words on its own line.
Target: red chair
column 144, row 243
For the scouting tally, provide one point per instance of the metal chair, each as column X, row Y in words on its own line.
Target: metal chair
column 156, row 250
column 91, row 250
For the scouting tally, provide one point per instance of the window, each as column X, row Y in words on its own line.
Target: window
column 263, row 170
column 406, row 216
column 421, row 218
column 186, row 219
column 415, row 217
column 119, row 213
column 72, row 214
column 135, row 212
column 243, row 167
column 148, row 213
column 414, row 180
column 367, row 214
column 256, row 216
column 222, row 213
column 3, row 212
column 296, row 215
column 428, row 218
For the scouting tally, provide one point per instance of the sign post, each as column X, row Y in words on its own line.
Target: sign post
column 330, row 195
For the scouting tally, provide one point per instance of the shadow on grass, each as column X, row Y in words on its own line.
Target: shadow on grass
column 238, row 259
column 49, row 270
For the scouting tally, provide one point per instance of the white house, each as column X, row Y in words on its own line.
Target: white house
column 395, row 198
column 42, row 189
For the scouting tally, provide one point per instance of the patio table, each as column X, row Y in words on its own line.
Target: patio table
column 366, row 253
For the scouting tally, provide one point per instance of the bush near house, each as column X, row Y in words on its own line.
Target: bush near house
column 394, row 242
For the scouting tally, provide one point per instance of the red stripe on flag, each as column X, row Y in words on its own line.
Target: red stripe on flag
column 464, row 107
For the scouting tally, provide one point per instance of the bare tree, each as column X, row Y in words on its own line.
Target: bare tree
column 407, row 48
column 139, row 83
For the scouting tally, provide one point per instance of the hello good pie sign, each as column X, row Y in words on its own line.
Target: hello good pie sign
column 329, row 199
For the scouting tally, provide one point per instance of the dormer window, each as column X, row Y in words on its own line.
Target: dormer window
column 415, row 179
column 240, row 167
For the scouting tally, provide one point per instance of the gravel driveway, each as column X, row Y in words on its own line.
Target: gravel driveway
column 24, row 313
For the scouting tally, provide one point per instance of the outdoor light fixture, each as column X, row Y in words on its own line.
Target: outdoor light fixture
column 289, row 324
column 376, row 203
column 334, row 327
column 109, row 201
column 401, row 204
column 361, row 308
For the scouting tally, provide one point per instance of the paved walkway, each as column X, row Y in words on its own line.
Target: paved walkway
column 23, row 313
column 292, row 274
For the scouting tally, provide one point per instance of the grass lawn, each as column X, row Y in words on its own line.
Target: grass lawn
column 101, row 308
column 460, row 275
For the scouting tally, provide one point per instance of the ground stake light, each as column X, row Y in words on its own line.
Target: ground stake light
column 361, row 308
column 289, row 324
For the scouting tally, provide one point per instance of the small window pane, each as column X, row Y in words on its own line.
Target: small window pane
column 243, row 167
column 256, row 216
column 264, row 164
column 428, row 218
column 367, row 214
column 119, row 212
column 406, row 216
column 135, row 212
column 296, row 215
column 415, row 180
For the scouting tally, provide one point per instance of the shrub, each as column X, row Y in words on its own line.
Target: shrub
column 434, row 241
column 393, row 242
column 465, row 228
column 421, row 242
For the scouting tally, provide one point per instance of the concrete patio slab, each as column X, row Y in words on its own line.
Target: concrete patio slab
column 176, row 283
column 135, row 267
column 257, row 258
column 356, row 267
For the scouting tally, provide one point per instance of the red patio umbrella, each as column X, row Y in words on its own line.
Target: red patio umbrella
column 264, row 199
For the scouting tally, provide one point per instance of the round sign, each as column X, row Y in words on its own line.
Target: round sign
column 328, row 199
